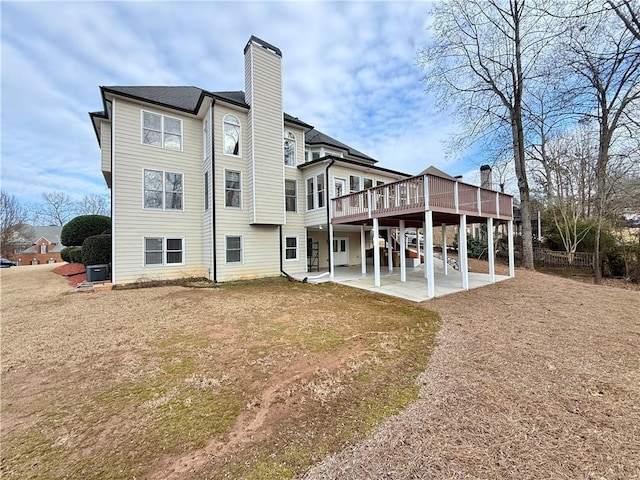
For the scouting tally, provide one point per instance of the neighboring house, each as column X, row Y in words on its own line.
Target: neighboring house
column 228, row 186
column 38, row 245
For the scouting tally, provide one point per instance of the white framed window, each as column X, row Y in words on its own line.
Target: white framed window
column 311, row 198
column 163, row 251
column 233, row 189
column 231, row 130
column 206, row 190
column 233, row 249
column 43, row 248
column 320, row 187
column 289, row 149
column 316, row 192
column 291, row 248
column 161, row 131
column 162, row 190
column 354, row 183
column 291, row 195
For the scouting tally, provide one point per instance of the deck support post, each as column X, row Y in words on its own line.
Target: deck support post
column 491, row 251
column 445, row 265
column 424, row 236
column 389, row 250
column 403, row 255
column 331, row 269
column 428, row 253
column 418, row 244
column 363, row 250
column 462, row 252
column 512, row 270
column 376, row 253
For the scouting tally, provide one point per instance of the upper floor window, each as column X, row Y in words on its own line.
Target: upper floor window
column 231, row 128
column 315, row 192
column 289, row 149
column 232, row 189
column 161, row 131
column 290, row 195
column 162, row 190
column 43, row 248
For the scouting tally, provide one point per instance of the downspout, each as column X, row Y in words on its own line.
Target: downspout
column 326, row 179
column 213, row 192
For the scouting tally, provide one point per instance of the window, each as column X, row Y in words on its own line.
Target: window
column 290, row 195
column 163, row 251
column 231, row 128
column 233, row 248
column 367, row 183
column 206, row 190
column 310, row 194
column 232, row 189
column 289, row 149
column 161, row 131
column 354, row 186
column 162, row 190
column 315, row 155
column 43, row 248
column 291, row 248
column 320, row 188
column 315, row 192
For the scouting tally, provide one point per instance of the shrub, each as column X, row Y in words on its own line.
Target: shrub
column 96, row 250
column 476, row 247
column 71, row 254
column 80, row 228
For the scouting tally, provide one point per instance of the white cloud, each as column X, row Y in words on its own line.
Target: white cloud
column 348, row 68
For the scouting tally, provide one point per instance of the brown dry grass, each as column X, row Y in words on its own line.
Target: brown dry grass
column 251, row 380
column 536, row 377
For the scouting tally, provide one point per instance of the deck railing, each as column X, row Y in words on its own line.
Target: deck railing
column 408, row 195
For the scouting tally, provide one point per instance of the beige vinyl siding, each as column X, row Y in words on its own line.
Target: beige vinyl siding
column 131, row 221
column 265, row 124
column 207, row 220
column 105, row 146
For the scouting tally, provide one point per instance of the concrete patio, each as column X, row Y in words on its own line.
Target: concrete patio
column 414, row 289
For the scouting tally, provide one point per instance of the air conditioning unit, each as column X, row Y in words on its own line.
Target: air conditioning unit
column 97, row 273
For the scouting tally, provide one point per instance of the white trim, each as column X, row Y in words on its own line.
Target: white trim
column 224, row 188
column 286, row 248
column 164, row 263
column 428, row 253
column 164, row 207
column 162, row 131
column 239, row 155
column 490, row 251
column 241, row 262
column 113, row 186
column 251, row 120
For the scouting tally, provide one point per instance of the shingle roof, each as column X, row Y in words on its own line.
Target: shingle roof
column 316, row 137
column 181, row 98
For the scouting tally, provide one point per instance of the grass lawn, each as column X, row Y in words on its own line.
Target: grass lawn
column 253, row 380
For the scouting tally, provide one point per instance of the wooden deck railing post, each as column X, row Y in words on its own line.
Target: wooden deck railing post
column 425, row 183
column 479, row 200
column 455, row 197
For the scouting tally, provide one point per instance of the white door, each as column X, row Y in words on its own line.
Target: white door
column 339, row 189
column 340, row 251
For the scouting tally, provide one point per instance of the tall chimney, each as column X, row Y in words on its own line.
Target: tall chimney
column 263, row 93
column 485, row 177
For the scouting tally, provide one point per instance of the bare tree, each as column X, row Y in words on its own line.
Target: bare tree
column 606, row 59
column 56, row 208
column 13, row 223
column 93, row 204
column 482, row 56
column 629, row 12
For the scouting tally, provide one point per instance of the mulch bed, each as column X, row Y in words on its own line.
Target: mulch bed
column 75, row 273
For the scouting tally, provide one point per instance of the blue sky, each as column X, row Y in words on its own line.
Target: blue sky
column 349, row 69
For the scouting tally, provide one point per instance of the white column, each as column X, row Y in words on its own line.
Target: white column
column 490, row 251
column 331, row 269
column 418, row 243
column 445, row 265
column 389, row 250
column 428, row 253
column 363, row 250
column 512, row 269
column 462, row 252
column 424, row 231
column 376, row 253
column 403, row 254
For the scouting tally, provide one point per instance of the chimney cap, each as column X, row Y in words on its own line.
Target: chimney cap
column 485, row 167
column 263, row 44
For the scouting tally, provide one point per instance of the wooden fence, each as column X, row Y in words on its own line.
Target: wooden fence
column 550, row 258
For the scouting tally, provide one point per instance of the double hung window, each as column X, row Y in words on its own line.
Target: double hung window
column 162, row 190
column 232, row 189
column 163, row 251
column 161, row 131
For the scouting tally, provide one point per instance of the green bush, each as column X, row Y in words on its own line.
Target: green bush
column 476, row 247
column 71, row 254
column 96, row 250
column 80, row 228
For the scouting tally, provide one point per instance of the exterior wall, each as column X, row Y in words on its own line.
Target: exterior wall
column 207, row 213
column 132, row 222
column 266, row 176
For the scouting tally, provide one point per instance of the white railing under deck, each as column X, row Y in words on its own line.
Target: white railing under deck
column 408, row 196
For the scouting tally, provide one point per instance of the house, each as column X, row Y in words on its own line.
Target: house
column 228, row 186
column 38, row 245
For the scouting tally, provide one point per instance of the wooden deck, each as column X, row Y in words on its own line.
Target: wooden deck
column 446, row 198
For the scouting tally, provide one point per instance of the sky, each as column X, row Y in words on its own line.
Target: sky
column 349, row 68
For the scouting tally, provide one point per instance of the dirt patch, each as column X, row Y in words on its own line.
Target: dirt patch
column 251, row 380
column 535, row 377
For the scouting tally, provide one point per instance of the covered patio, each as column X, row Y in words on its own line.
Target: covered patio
column 424, row 201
